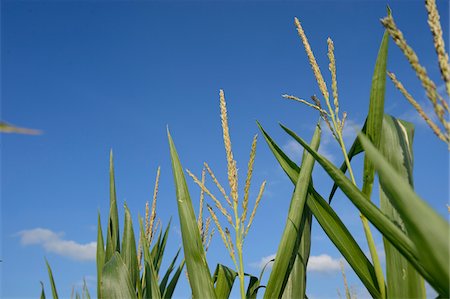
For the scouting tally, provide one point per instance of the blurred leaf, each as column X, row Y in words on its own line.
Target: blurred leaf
column 42, row 290
column 197, row 266
column 289, row 244
column 100, row 256
column 128, row 253
column 8, row 128
column 330, row 223
column 112, row 238
column 116, row 281
column 426, row 228
column 396, row 145
column 86, row 290
column 224, row 278
column 52, row 281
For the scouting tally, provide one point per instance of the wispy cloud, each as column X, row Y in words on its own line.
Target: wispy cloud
column 264, row 261
column 294, row 150
column 328, row 146
column 54, row 243
column 321, row 263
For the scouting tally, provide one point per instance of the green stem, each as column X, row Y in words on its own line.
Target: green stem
column 370, row 242
column 239, row 241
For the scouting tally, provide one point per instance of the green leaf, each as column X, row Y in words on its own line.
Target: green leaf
column 376, row 111
column 86, row 293
column 116, row 281
column 112, row 238
column 330, row 223
column 289, row 244
column 373, row 130
column 253, row 287
column 159, row 248
column 296, row 284
column 426, row 228
column 403, row 281
column 173, row 282
column 42, row 290
column 197, row 266
column 100, row 256
column 52, row 281
column 149, row 278
column 163, row 284
column 128, row 253
column 224, row 278
column 151, row 283
column 394, row 234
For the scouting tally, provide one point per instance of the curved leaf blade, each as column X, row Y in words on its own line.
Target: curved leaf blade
column 330, row 223
column 428, row 230
column 396, row 145
column 116, row 281
column 224, row 278
column 197, row 266
column 289, row 244
column 128, row 253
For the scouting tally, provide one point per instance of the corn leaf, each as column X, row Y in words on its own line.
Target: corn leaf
column 116, row 281
column 165, row 280
column 197, row 266
column 42, row 290
column 296, row 284
column 149, row 277
column 376, row 111
column 158, row 249
column 289, row 244
column 253, row 287
column 100, row 256
column 86, row 293
column 52, row 281
column 152, row 289
column 330, row 223
column 112, row 238
column 223, row 278
column 8, row 128
column 390, row 230
column 173, row 282
column 128, row 253
column 396, row 145
column 426, row 228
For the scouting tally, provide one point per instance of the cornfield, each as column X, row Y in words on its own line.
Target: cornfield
column 415, row 237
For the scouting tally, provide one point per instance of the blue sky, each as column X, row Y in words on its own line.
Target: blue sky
column 95, row 75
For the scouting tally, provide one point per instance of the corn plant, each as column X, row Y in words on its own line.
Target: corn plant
column 125, row 270
column 415, row 237
column 411, row 254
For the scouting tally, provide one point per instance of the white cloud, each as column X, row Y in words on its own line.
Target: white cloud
column 322, row 263
column 54, row 243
